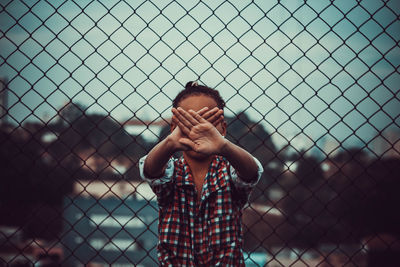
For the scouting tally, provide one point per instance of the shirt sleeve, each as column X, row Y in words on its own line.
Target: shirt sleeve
column 163, row 186
column 239, row 183
column 242, row 189
column 169, row 171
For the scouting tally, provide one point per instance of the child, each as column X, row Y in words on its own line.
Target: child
column 201, row 194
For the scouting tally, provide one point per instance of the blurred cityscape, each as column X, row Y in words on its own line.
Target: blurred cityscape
column 311, row 90
column 71, row 195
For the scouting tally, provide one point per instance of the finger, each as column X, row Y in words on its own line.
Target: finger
column 187, row 142
column 175, row 119
column 181, row 118
column 209, row 113
column 189, row 116
column 196, row 116
column 203, row 111
column 216, row 116
column 220, row 119
column 185, row 130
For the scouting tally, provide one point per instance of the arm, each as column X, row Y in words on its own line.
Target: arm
column 241, row 160
column 203, row 137
column 157, row 158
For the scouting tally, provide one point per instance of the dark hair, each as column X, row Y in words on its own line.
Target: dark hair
column 192, row 88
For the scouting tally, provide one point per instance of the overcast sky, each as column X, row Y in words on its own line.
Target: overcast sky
column 319, row 69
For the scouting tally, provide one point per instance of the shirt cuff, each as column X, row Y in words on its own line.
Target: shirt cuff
column 243, row 184
column 168, row 172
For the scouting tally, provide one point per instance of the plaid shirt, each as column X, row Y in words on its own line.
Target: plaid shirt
column 206, row 232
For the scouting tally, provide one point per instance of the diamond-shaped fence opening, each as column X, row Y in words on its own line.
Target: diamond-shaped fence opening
column 312, row 91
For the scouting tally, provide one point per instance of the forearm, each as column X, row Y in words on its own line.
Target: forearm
column 241, row 160
column 157, row 158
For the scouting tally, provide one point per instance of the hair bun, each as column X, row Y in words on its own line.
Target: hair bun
column 191, row 84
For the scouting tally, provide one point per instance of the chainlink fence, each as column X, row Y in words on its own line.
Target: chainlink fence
column 312, row 90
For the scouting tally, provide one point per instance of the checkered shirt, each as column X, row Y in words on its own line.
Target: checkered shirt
column 206, row 232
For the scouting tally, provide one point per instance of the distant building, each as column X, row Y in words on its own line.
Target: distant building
column 387, row 144
column 149, row 130
column 110, row 223
column 100, row 189
column 330, row 147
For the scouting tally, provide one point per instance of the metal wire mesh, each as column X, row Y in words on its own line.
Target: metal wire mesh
column 312, row 90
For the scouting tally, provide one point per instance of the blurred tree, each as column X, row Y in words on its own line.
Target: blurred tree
column 30, row 187
column 97, row 137
column 379, row 208
column 253, row 137
column 40, row 162
column 379, row 216
column 350, row 186
column 15, row 193
column 71, row 112
column 305, row 200
column 366, row 199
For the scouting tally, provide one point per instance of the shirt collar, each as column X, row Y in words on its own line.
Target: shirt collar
column 216, row 178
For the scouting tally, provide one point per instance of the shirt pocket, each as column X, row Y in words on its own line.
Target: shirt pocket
column 223, row 231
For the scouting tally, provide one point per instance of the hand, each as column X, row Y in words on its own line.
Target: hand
column 199, row 134
column 159, row 155
column 174, row 138
column 214, row 116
